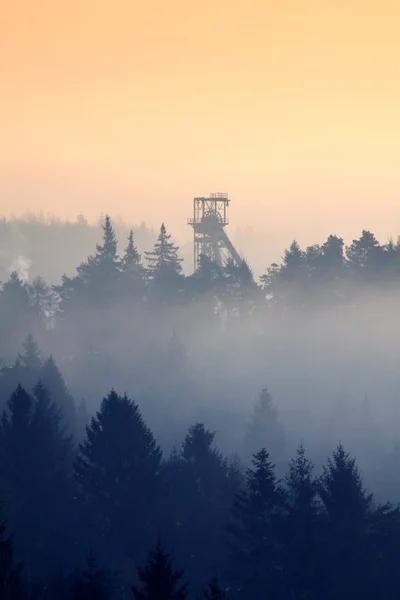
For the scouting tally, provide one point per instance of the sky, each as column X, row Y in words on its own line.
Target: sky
column 133, row 108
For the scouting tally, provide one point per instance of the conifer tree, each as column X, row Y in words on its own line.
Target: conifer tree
column 108, row 250
column 133, row 274
column 341, row 489
column 163, row 260
column 255, row 569
column 31, row 358
column 25, row 371
column 301, row 488
column 300, row 529
column 35, row 459
column 118, row 469
column 347, row 557
column 132, row 260
column 17, row 315
column 53, row 380
column 239, row 289
column 158, row 579
column 199, row 495
column 96, row 281
column 265, row 428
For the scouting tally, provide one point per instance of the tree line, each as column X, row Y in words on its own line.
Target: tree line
column 112, row 517
column 321, row 275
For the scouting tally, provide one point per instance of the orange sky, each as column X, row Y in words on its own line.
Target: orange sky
column 293, row 107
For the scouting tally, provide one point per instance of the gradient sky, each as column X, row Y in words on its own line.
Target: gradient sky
column 133, row 108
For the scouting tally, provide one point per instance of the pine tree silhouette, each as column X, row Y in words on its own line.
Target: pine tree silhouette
column 158, row 579
column 31, row 358
column 108, row 250
column 163, row 260
column 300, row 529
column 53, row 380
column 132, row 260
column 254, row 532
column 35, row 463
column 118, row 469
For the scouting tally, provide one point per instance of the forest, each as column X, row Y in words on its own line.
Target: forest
column 209, row 436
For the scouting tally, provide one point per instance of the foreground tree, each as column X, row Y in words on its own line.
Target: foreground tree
column 198, row 502
column 300, row 529
column 118, row 469
column 349, row 552
column 158, row 579
column 35, row 459
column 256, row 571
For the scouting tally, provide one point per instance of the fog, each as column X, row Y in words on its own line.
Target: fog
column 320, row 361
column 142, row 400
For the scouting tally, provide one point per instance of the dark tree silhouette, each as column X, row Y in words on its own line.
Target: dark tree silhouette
column 35, row 461
column 300, row 526
column 255, row 567
column 163, row 260
column 158, row 579
column 53, row 380
column 118, row 469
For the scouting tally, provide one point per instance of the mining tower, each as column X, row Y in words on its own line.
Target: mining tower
column 209, row 221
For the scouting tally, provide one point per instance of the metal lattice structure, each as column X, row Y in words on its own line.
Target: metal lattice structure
column 209, row 221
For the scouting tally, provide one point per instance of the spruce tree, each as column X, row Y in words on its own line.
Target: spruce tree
column 300, row 529
column 133, row 274
column 265, row 428
column 31, row 358
column 347, row 555
column 301, row 488
column 255, row 568
column 107, row 251
column 17, row 316
column 199, row 497
column 96, row 282
column 240, row 293
column 132, row 260
column 35, row 462
column 53, row 380
column 158, row 579
column 341, row 489
column 163, row 260
column 118, row 469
